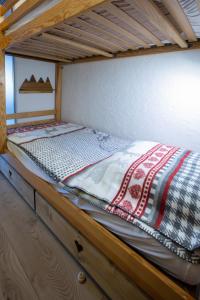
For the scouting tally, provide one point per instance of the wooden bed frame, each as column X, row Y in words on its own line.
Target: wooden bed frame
column 36, row 34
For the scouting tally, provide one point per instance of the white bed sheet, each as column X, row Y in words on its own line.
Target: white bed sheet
column 135, row 237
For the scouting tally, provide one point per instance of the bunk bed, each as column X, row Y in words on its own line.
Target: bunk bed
column 78, row 31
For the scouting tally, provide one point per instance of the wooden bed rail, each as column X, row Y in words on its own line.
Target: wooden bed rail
column 22, row 10
column 31, row 123
column 32, row 114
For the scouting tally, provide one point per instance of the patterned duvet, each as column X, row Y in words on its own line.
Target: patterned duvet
column 154, row 186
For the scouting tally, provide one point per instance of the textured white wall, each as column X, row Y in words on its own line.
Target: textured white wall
column 24, row 68
column 148, row 98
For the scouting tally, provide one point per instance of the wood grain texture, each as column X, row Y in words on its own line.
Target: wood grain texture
column 2, row 102
column 143, row 274
column 113, row 282
column 64, row 41
column 114, row 27
column 55, row 15
column 30, row 53
column 23, row 188
column 179, row 16
column 149, row 9
column 141, row 52
column 133, row 23
column 50, row 270
column 83, row 36
column 113, row 43
column 19, row 13
column 14, row 283
column 51, row 48
column 58, row 92
column 31, row 114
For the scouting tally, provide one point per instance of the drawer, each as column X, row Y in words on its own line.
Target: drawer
column 108, row 277
column 22, row 187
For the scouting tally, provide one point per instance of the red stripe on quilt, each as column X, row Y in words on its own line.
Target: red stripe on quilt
column 149, row 180
column 166, row 189
column 129, row 173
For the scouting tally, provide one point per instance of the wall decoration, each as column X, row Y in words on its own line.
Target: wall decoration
column 33, row 86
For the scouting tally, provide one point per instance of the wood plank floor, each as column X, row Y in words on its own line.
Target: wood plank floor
column 33, row 264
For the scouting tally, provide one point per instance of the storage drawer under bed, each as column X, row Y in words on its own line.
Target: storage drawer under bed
column 111, row 280
column 22, row 187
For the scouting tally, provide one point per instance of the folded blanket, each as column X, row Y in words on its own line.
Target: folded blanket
column 67, row 149
column 151, row 182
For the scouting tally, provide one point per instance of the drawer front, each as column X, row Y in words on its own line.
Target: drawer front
column 23, row 188
column 111, row 280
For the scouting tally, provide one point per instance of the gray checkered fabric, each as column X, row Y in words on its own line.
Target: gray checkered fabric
column 65, row 155
column 181, row 220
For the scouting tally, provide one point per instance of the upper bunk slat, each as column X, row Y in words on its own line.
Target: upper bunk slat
column 135, row 25
column 151, row 12
column 74, row 44
column 77, row 30
column 55, row 15
column 101, row 32
column 19, row 13
column 176, row 11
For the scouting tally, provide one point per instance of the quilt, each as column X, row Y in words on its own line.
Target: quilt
column 65, row 150
column 154, row 186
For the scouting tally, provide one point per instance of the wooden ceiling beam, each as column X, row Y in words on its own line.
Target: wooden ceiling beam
column 116, row 28
column 58, row 13
column 154, row 15
column 181, row 19
column 27, row 47
column 37, row 55
column 114, row 10
column 80, row 46
column 141, row 52
column 97, row 32
column 19, row 13
column 84, row 39
column 39, row 44
column 51, row 46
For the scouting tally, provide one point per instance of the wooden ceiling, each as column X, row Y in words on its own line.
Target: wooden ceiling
column 114, row 28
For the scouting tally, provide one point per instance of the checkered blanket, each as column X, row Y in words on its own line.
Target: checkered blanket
column 66, row 149
column 155, row 184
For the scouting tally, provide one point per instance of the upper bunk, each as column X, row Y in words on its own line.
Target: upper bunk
column 85, row 30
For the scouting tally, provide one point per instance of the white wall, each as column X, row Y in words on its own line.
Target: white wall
column 150, row 98
column 24, row 68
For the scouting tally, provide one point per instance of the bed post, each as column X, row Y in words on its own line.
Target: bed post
column 58, row 91
column 2, row 102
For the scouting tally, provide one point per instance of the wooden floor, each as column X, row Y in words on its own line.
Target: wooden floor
column 33, row 264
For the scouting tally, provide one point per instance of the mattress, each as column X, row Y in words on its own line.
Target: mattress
column 146, row 245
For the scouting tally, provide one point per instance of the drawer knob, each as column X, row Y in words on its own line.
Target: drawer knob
column 81, row 277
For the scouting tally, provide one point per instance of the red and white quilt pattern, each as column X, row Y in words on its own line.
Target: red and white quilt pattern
column 133, row 194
